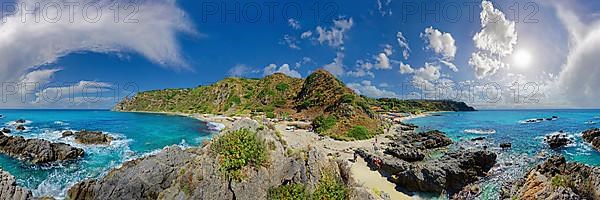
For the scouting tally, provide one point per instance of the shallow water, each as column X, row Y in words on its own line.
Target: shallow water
column 528, row 146
column 137, row 134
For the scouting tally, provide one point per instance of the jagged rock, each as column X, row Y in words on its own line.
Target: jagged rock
column 20, row 121
column 593, row 137
column 478, row 139
column 67, row 133
column 194, row 174
column 450, row 173
column 37, row 151
column 20, row 128
column 425, row 140
column 409, row 154
column 557, row 140
column 557, row 179
column 5, row 130
column 506, row 145
column 92, row 137
column 9, row 189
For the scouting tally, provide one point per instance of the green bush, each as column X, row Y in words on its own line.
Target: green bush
column 359, row 133
column 288, row 192
column 330, row 188
column 282, row 87
column 347, row 98
column 270, row 114
column 322, row 124
column 558, row 181
column 238, row 149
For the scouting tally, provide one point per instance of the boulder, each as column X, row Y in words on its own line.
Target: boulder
column 10, row 190
column 406, row 153
column 5, row 130
column 557, row 140
column 20, row 128
column 20, row 121
column 478, row 139
column 424, row 140
column 67, row 133
column 592, row 136
column 92, row 137
column 37, row 151
column 506, row 145
column 557, row 179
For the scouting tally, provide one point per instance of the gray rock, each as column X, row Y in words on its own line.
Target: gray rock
column 592, row 136
column 92, row 137
column 5, row 130
column 37, row 151
column 556, row 141
column 10, row 190
column 409, row 154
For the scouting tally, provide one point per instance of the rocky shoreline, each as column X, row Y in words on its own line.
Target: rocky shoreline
column 38, row 151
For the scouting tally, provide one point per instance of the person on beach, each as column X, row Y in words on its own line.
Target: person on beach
column 355, row 157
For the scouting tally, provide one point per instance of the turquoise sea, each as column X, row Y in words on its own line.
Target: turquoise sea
column 527, row 138
column 137, row 135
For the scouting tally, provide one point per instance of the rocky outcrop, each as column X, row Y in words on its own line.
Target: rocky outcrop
column 5, row 130
column 557, row 179
column 20, row 128
column 592, row 136
column 89, row 137
column 448, row 174
column 414, row 146
column 556, row 141
column 37, row 151
column 194, row 173
column 10, row 190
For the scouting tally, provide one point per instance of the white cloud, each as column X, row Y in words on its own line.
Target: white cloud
column 304, row 61
column 24, row 45
column 337, row 66
column 295, row 24
column 334, row 36
column 284, row 69
column 290, row 41
column 383, row 62
column 91, row 91
column 406, row 69
column 428, row 72
column 368, row 89
column 496, row 40
column 383, row 7
column 485, row 65
column 239, row 70
column 450, row 65
column 403, row 45
column 498, row 34
column 363, row 69
column 40, row 77
column 578, row 81
column 440, row 42
column 306, row 34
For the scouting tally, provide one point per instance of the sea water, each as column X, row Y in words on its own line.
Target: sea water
column 527, row 138
column 136, row 135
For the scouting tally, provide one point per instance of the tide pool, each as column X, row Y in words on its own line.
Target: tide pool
column 136, row 135
column 527, row 138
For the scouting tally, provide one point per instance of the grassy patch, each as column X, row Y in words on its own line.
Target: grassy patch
column 359, row 133
column 282, row 87
column 239, row 149
column 322, row 124
column 330, row 188
column 288, row 192
column 559, row 181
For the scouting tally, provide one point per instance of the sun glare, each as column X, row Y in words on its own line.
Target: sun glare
column 522, row 58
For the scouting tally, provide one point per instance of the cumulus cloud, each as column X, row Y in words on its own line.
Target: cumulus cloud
column 428, row 72
column 239, row 70
column 496, row 40
column 383, row 62
column 337, row 66
column 368, row 89
column 403, row 42
column 440, row 42
column 450, row 65
column 40, row 77
column 290, row 41
column 334, row 36
column 284, row 69
column 157, row 21
column 498, row 34
column 72, row 95
column 406, row 69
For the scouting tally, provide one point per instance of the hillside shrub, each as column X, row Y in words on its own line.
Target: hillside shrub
column 282, row 87
column 359, row 133
column 330, row 188
column 322, row 123
column 239, row 149
column 288, row 192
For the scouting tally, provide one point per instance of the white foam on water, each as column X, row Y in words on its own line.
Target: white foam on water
column 480, row 131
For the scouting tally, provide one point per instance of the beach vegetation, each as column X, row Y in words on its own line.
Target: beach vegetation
column 295, row 191
column 359, row 133
column 239, row 149
column 330, row 187
column 322, row 123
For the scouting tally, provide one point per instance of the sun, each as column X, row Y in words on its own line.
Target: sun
column 522, row 58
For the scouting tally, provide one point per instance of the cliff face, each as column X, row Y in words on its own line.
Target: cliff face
column 319, row 95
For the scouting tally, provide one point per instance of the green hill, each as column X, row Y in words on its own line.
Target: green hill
column 335, row 109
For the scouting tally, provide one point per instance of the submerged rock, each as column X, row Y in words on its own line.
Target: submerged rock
column 506, row 145
column 557, row 179
column 5, row 130
column 67, row 133
column 37, row 151
column 556, row 141
column 10, row 190
column 20, row 128
column 20, row 121
column 593, row 137
column 92, row 137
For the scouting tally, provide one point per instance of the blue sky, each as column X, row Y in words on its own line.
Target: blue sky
column 533, row 46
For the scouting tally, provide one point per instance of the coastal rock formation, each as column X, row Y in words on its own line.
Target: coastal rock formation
column 593, row 137
column 412, row 146
column 557, row 179
column 20, row 128
column 557, row 140
column 67, row 133
column 448, row 174
column 37, row 151
column 506, row 145
column 20, row 121
column 92, row 137
column 195, row 173
column 10, row 190
column 5, row 130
